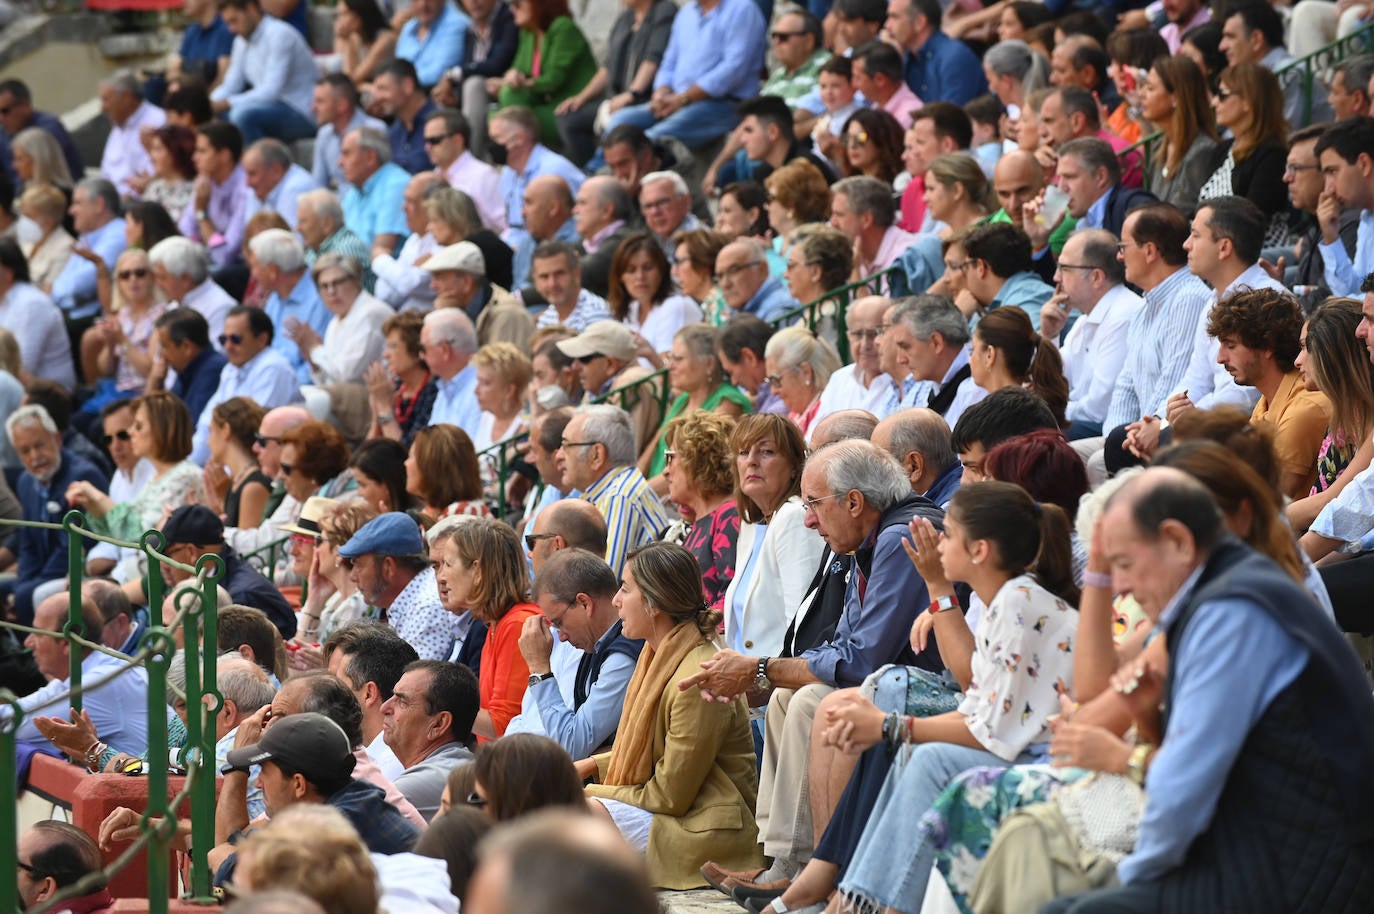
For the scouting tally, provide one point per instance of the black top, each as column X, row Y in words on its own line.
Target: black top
column 231, row 498
column 497, row 255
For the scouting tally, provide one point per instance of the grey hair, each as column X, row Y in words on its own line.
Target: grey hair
column 324, row 204
column 49, row 164
column 445, row 529
column 104, row 190
column 280, row 249
column 612, row 192
column 272, row 152
column 570, row 572
column 26, row 416
column 672, row 177
column 925, row 433
column 1093, row 154
column 610, row 426
column 1016, row 58
column 925, row 315
column 1092, row 503
column 373, row 139
column 1357, row 71
column 865, row 467
column 794, row 347
column 844, row 424
column 1099, row 252
column 701, row 340
column 869, row 195
column 124, row 81
column 452, row 326
column 336, row 261
column 250, row 692
column 181, row 257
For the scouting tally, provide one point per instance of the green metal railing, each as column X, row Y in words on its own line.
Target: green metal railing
column 834, row 305
column 1307, row 69
column 195, row 612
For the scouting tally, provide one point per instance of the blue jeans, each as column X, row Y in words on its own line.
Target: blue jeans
column 275, row 119
column 694, row 126
column 887, row 866
column 1078, row 429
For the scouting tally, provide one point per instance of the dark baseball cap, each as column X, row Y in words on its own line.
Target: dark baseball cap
column 195, row 525
column 309, row 744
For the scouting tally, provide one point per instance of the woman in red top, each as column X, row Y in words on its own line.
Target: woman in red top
column 481, row 569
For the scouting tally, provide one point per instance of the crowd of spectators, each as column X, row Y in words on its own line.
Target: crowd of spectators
column 859, row 454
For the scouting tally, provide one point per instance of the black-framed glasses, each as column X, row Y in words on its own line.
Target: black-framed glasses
column 121, row 435
column 729, row 272
column 331, row 285
column 567, row 444
column 1076, row 266
column 134, row 273
column 958, row 266
column 532, row 538
column 436, row 140
column 588, row 359
column 265, row 440
column 785, row 36
column 1224, row 93
column 226, row 338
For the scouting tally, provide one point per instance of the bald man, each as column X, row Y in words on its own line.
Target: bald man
column 862, row 383
column 572, row 523
column 281, row 507
column 920, row 440
column 547, row 209
column 1017, row 180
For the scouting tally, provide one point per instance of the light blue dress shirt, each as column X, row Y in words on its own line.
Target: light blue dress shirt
column 1024, row 290
column 274, row 64
column 303, row 305
column 440, row 49
column 523, row 261
column 115, row 697
column 457, row 402
column 267, row 378
column 282, row 198
column 1231, row 663
column 548, row 706
column 720, row 51
column 771, row 301
column 542, row 161
column 1345, row 277
column 376, row 208
column 328, row 145
column 74, row 288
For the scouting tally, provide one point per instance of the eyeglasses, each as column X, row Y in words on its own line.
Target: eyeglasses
column 1123, row 245
column 331, row 285
column 1224, row 93
column 859, row 335
column 1076, row 266
column 785, row 36
column 437, row 139
column 655, row 204
column 810, row 503
column 729, row 272
column 1291, row 169
column 958, row 267
column 226, row 338
column 588, row 359
column 135, row 273
column 121, row 435
column 265, row 440
column 532, row 538
column 558, row 623
column 568, row 444
column 857, row 139
column 303, row 539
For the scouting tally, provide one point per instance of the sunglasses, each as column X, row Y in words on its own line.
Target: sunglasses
column 785, row 36
column 264, row 440
column 304, row 540
column 226, row 338
column 121, row 435
column 532, row 538
column 135, row 273
column 588, row 359
column 436, row 140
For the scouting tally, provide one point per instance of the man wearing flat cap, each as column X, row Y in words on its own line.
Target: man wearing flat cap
column 459, row 279
column 195, row 530
column 605, row 358
column 393, row 571
column 305, row 758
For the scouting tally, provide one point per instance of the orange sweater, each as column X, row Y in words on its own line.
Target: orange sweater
column 505, row 675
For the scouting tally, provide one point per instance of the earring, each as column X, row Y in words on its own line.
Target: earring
column 976, row 560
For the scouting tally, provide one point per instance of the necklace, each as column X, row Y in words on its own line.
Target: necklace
column 404, row 408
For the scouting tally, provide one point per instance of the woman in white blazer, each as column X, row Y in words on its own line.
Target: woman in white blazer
column 776, row 555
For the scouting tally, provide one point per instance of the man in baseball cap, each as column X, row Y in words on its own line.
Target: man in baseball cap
column 604, row 358
column 458, row 275
column 193, row 531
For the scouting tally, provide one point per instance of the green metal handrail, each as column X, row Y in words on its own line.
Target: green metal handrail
column 1306, row 68
column 196, row 613
column 265, row 557
column 835, row 304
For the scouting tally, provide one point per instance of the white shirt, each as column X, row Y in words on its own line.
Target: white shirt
column 213, row 303
column 1094, row 352
column 844, row 390
column 351, row 343
column 1207, row 382
column 45, row 350
column 125, row 485
column 400, row 283
column 664, row 320
column 124, row 155
column 384, row 758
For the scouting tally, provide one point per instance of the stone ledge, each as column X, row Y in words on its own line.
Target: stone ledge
column 697, row 901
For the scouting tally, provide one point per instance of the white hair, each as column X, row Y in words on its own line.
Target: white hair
column 181, row 257
column 855, row 464
column 324, row 204
column 26, row 416
column 373, row 139
column 445, row 528
column 278, row 248
column 610, row 425
column 794, row 347
column 672, row 177
column 452, row 326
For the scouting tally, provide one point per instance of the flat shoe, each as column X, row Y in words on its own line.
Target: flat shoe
column 764, row 890
column 724, row 880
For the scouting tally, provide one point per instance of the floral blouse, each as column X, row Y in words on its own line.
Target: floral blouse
column 181, row 485
column 1023, row 646
column 138, row 330
column 711, row 540
column 1334, row 456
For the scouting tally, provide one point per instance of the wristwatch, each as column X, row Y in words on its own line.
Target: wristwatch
column 943, row 605
column 1136, row 766
column 761, row 681
column 537, row 678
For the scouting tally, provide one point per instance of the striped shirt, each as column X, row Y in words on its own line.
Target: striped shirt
column 1158, row 347
column 634, row 515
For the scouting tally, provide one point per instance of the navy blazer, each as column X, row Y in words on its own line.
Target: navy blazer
column 43, row 553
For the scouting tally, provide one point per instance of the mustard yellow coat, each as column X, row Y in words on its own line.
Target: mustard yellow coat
column 704, row 786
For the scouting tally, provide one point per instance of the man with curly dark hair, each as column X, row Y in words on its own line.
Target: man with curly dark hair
column 1258, row 331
